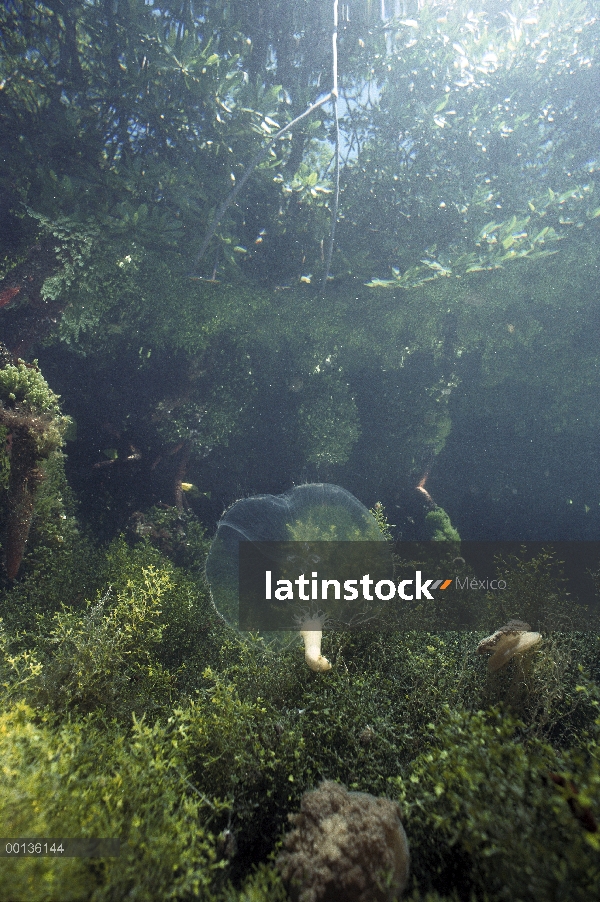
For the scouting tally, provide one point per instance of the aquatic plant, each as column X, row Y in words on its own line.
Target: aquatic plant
column 103, row 658
column 86, row 778
column 244, row 738
column 480, row 800
column 440, row 525
column 129, row 705
column 263, row 153
column 451, row 121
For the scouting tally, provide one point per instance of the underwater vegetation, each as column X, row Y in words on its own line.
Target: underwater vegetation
column 192, row 743
column 33, row 428
column 267, row 277
column 456, row 123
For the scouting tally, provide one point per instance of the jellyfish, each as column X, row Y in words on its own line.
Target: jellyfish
column 510, row 641
column 298, row 521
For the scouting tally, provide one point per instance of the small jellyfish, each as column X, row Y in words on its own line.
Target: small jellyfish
column 305, row 515
column 513, row 639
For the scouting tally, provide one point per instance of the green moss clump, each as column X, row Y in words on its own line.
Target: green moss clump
column 26, row 396
column 24, row 384
column 30, row 414
column 442, row 530
column 103, row 660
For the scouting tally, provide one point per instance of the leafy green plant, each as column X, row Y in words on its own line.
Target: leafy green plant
column 103, row 659
column 85, row 779
column 483, row 817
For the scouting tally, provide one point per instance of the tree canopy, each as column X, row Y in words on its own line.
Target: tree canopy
column 468, row 142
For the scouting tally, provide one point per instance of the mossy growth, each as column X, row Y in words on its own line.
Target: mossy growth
column 537, row 589
column 60, row 564
column 147, row 634
column 23, row 390
column 440, row 526
column 178, row 535
column 86, row 778
column 385, row 527
column 30, row 414
column 23, row 384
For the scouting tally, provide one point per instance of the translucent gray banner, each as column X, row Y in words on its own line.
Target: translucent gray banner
column 424, row 585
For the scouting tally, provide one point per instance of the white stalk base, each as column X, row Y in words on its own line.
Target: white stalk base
column 312, row 650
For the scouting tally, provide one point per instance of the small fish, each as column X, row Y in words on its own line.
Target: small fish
column 193, row 490
column 102, row 463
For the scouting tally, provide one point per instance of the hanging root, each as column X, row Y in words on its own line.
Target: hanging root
column 336, row 196
column 420, row 487
column 263, row 153
column 24, row 479
column 254, row 162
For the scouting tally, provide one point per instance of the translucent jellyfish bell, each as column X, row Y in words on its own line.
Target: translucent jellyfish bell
column 306, row 514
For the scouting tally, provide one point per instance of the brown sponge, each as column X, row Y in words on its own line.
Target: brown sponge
column 345, row 847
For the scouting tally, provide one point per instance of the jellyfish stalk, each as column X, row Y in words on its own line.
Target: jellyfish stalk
column 311, row 630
